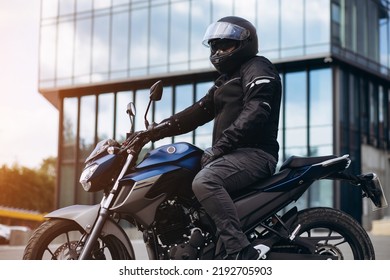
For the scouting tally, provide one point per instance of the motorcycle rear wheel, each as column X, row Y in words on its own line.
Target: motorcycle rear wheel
column 58, row 239
column 350, row 241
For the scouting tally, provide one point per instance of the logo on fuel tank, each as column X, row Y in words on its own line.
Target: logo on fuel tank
column 171, row 150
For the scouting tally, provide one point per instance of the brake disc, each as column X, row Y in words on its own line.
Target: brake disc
column 68, row 251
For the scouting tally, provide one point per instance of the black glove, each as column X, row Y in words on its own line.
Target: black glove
column 209, row 155
column 159, row 131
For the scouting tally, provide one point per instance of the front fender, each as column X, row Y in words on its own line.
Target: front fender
column 86, row 215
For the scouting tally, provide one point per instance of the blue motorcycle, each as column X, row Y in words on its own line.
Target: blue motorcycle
column 154, row 196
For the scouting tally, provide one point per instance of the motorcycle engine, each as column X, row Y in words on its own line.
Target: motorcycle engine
column 177, row 233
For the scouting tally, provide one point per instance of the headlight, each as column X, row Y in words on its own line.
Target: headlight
column 86, row 175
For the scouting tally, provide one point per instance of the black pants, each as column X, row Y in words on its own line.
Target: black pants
column 225, row 175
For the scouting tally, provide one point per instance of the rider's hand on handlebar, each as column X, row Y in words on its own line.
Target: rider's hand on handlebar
column 158, row 131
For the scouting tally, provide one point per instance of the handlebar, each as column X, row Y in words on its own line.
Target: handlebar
column 138, row 139
column 159, row 126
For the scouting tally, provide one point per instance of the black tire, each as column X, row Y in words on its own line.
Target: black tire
column 353, row 241
column 59, row 239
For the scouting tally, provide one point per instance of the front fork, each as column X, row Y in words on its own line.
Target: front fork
column 104, row 213
column 95, row 233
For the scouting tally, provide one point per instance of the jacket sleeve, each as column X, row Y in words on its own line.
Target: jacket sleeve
column 259, row 94
column 190, row 118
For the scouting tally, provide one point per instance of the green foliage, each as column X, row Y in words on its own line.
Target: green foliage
column 26, row 188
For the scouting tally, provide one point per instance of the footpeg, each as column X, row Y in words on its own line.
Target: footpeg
column 295, row 232
column 262, row 249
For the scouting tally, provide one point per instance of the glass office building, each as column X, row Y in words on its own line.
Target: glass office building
column 333, row 57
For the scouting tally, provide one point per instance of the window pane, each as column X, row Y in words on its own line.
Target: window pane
column 120, row 2
column 100, row 49
column 381, row 116
column 203, row 138
column 179, row 40
column 82, row 62
column 85, row 5
column 373, row 31
column 292, row 27
column 317, row 25
column 296, row 114
column 65, row 52
column 373, row 103
column 200, row 19
column 138, row 42
column 66, row 7
column 159, row 39
column 361, row 27
column 123, row 124
column 106, row 116
column 321, row 97
column 101, row 4
column 364, row 111
column 268, row 28
column 49, row 8
column 321, row 111
column 183, row 99
column 87, row 125
column 246, row 11
column 384, row 44
column 69, row 131
column 119, row 45
column 221, row 8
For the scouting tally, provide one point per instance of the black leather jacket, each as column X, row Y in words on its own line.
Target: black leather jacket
column 245, row 108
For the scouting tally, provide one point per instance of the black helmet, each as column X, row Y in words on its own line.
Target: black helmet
column 232, row 40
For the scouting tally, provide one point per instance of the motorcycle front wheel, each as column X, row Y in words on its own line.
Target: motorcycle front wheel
column 58, row 239
column 338, row 235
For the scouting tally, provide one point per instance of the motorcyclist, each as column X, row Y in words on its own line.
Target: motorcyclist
column 244, row 103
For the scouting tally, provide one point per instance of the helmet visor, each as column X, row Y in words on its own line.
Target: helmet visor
column 224, row 30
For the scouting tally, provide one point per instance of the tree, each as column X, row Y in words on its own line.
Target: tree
column 27, row 188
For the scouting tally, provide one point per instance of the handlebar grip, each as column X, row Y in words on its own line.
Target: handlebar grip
column 159, row 131
column 162, row 125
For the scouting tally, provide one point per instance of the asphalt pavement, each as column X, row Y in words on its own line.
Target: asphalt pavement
column 380, row 237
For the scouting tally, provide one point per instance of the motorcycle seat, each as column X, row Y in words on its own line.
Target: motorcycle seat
column 262, row 184
column 296, row 161
column 284, row 172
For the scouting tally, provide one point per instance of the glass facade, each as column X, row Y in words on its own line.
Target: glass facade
column 87, row 41
column 361, row 32
column 333, row 57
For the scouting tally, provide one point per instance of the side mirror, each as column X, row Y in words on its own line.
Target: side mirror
column 131, row 109
column 131, row 112
column 156, row 91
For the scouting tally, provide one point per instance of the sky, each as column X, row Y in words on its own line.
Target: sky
column 28, row 122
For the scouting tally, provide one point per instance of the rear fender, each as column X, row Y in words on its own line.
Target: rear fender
column 290, row 216
column 86, row 215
